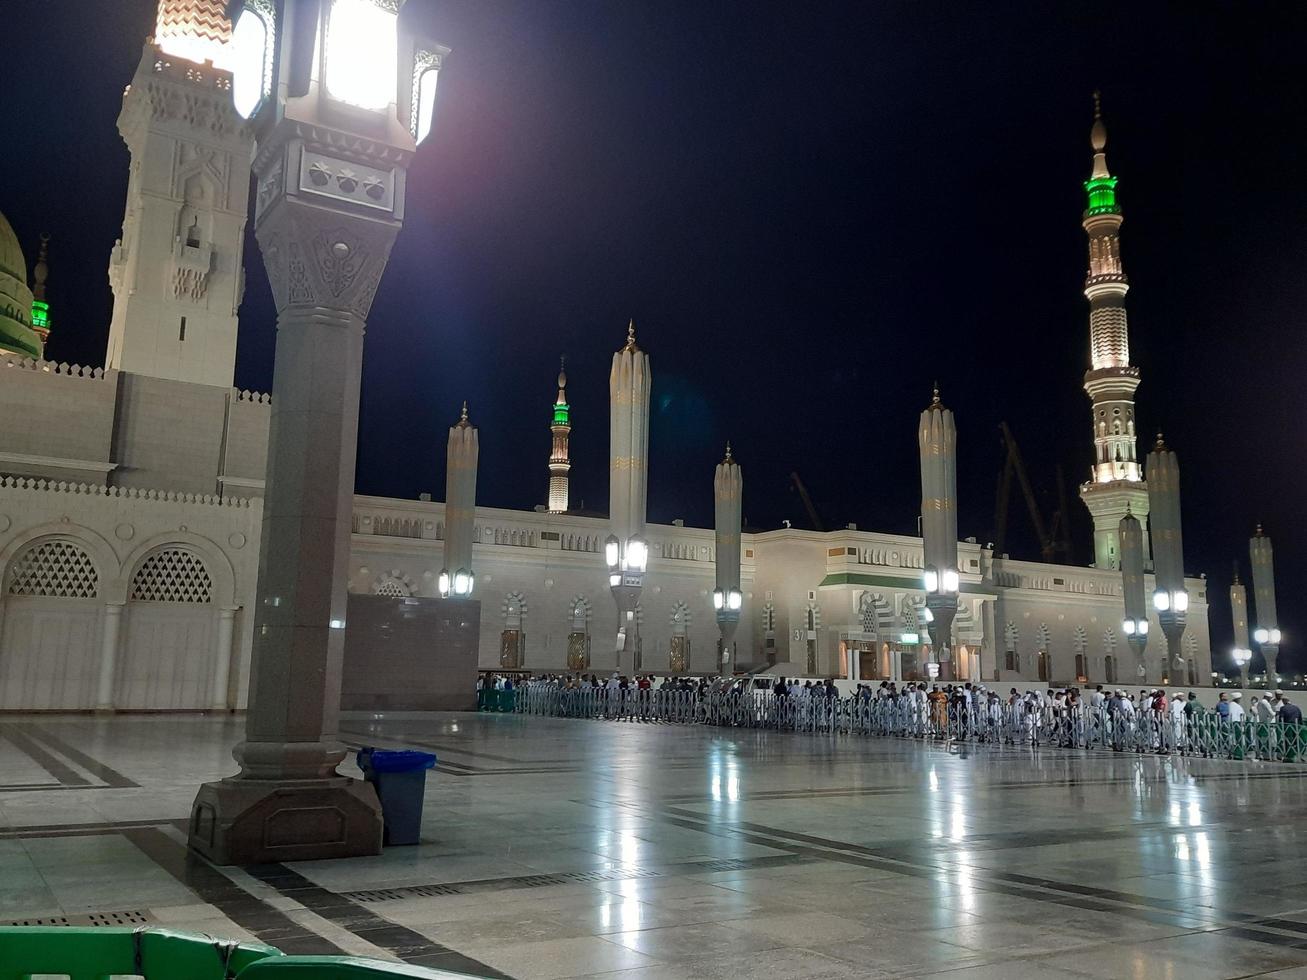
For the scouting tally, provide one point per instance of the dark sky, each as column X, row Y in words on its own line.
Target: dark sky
column 812, row 210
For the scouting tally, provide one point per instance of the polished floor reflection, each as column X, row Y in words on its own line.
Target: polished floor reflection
column 556, row 848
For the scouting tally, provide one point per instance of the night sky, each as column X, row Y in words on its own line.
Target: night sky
column 812, row 211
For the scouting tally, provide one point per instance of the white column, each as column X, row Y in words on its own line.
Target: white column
column 113, row 615
column 222, row 659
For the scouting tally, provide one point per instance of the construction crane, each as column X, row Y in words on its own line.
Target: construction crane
column 817, row 525
column 1054, row 536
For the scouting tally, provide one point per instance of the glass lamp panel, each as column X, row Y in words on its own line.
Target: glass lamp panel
column 362, row 47
column 249, row 50
column 426, row 103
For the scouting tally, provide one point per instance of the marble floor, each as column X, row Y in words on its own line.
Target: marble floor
column 555, row 848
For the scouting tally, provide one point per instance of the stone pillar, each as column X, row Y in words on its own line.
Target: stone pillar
column 461, row 457
column 1163, row 473
column 628, row 391
column 1268, row 632
column 324, row 264
column 1130, row 549
column 1239, row 617
column 113, row 615
column 728, row 491
column 222, row 659
column 937, row 441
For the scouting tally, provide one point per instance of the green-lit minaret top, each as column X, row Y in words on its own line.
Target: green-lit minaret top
column 1101, row 185
column 561, row 409
column 41, row 308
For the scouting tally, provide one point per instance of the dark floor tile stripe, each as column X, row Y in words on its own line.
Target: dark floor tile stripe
column 111, row 777
column 253, row 914
column 405, row 943
column 65, row 775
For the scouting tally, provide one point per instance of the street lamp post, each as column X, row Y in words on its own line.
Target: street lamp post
column 1170, row 599
column 1267, row 633
column 727, row 600
column 1241, row 657
column 937, row 439
column 627, row 561
column 341, row 95
column 1135, row 624
column 456, row 577
column 626, row 551
column 1239, row 614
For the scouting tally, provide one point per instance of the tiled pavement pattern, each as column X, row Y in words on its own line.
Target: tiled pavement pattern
column 557, row 848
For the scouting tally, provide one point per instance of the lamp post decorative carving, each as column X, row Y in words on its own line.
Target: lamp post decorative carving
column 338, row 113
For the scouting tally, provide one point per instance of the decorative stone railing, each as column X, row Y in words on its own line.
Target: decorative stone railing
column 128, row 493
column 51, row 367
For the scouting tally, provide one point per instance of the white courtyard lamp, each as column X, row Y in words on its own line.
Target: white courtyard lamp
column 340, row 97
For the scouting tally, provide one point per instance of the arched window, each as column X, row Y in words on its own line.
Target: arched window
column 54, row 567
column 172, row 575
column 1010, row 638
column 1109, row 669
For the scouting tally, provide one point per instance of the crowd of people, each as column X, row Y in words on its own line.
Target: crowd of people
column 1267, row 726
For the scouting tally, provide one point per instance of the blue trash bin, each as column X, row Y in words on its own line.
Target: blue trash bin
column 400, row 777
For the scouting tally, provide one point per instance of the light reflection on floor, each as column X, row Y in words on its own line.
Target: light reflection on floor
column 690, row 852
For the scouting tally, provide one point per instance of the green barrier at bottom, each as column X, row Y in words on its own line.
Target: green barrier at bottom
column 157, row 954
column 161, row 954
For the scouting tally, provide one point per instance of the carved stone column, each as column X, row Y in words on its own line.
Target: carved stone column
column 327, row 217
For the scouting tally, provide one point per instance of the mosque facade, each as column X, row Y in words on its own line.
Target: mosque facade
column 130, row 521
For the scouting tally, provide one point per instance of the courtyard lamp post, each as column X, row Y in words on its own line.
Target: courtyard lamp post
column 1267, row 633
column 339, row 95
column 1241, row 657
column 627, row 561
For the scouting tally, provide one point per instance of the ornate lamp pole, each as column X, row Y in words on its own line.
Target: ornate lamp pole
column 1135, row 624
column 456, row 578
column 338, row 118
column 1267, row 633
column 1239, row 613
column 938, row 440
column 625, row 550
column 1169, row 596
column 727, row 599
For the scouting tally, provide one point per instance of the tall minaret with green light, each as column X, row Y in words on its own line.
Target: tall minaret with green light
column 1116, row 487
column 561, row 427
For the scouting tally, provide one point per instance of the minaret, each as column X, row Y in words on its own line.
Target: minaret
column 40, row 306
column 728, row 491
column 1239, row 615
column 626, row 551
column 938, row 441
column 456, row 578
column 561, row 427
column 177, row 273
column 1117, row 483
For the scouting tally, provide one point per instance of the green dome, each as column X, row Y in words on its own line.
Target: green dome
column 16, row 333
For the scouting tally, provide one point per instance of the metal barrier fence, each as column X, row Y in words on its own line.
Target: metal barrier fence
column 1022, row 723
